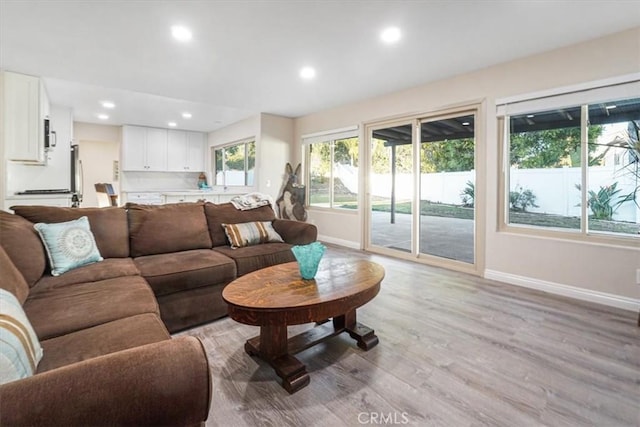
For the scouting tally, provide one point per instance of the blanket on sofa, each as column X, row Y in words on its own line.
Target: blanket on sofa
column 251, row 201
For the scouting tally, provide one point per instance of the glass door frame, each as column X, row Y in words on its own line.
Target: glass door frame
column 415, row 120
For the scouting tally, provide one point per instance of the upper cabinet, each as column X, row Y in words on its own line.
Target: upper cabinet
column 186, row 151
column 144, row 149
column 152, row 149
column 25, row 106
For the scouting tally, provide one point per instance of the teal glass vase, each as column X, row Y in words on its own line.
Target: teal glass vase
column 308, row 257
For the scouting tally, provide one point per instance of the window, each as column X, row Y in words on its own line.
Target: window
column 333, row 169
column 234, row 165
column 575, row 168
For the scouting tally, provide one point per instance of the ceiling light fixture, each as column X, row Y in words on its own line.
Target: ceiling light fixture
column 390, row 35
column 307, row 73
column 108, row 104
column 609, row 107
column 181, row 33
column 103, row 116
column 172, row 124
column 186, row 115
column 465, row 123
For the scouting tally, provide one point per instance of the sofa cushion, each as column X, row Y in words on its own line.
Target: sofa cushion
column 186, row 309
column 20, row 351
column 251, row 233
column 253, row 258
column 102, row 339
column 107, row 269
column 23, row 245
column 226, row 213
column 11, row 280
column 109, row 225
column 58, row 311
column 179, row 271
column 159, row 229
column 69, row 244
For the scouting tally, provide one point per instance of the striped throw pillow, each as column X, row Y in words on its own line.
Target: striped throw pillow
column 20, row 350
column 251, row 233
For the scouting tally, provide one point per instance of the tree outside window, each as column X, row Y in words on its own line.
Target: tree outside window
column 546, row 171
column 333, row 173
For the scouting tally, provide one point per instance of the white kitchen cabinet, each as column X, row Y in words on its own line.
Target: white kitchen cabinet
column 194, row 196
column 156, row 149
column 144, row 149
column 195, row 151
column 186, row 151
column 224, row 198
column 25, row 106
column 143, row 197
column 187, row 198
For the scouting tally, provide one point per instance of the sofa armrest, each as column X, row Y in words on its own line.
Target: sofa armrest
column 296, row 232
column 165, row 383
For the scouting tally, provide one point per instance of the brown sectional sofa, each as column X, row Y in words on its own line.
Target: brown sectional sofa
column 104, row 327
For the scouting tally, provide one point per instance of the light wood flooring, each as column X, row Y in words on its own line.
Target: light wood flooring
column 455, row 350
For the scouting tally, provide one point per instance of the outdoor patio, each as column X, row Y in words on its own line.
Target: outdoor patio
column 440, row 236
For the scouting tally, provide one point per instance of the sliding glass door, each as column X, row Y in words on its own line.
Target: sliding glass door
column 447, row 187
column 391, row 187
column 421, row 188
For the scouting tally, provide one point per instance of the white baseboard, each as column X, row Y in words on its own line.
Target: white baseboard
column 339, row 242
column 604, row 298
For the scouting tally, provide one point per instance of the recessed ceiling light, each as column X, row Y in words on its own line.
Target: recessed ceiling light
column 530, row 115
column 465, row 123
column 103, row 116
column 609, row 107
column 172, row 124
column 307, row 73
column 181, row 33
column 186, row 115
column 108, row 104
column 390, row 35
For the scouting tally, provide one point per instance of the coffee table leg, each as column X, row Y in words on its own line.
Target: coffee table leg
column 272, row 347
column 364, row 336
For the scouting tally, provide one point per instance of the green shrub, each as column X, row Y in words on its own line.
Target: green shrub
column 520, row 200
column 468, row 195
column 602, row 202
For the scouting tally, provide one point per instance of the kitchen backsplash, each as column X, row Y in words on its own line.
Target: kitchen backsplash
column 152, row 181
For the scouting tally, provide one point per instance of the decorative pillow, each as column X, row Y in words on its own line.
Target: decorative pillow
column 20, row 350
column 251, row 233
column 69, row 244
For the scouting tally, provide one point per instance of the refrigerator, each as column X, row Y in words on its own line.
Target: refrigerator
column 77, row 179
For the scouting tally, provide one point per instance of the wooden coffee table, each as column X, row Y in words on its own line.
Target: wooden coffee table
column 277, row 296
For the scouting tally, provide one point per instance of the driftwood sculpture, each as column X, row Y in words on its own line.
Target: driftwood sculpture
column 292, row 196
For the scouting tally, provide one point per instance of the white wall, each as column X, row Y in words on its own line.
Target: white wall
column 99, row 148
column 274, row 141
column 244, row 129
column 275, row 150
column 588, row 266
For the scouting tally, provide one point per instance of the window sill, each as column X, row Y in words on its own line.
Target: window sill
column 592, row 238
column 333, row 210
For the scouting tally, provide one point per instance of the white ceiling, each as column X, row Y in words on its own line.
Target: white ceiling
column 245, row 55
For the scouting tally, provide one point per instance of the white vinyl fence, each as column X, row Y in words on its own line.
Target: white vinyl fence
column 554, row 188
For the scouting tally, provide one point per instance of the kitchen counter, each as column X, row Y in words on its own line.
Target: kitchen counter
column 191, row 192
column 39, row 196
column 54, row 199
column 178, row 196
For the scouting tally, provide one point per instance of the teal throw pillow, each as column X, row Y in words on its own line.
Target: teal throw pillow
column 69, row 244
column 20, row 350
